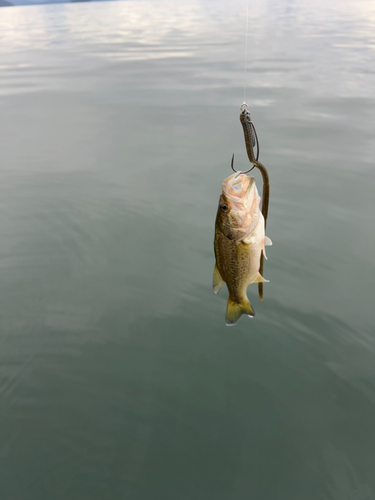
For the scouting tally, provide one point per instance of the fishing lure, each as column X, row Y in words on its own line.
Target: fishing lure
column 251, row 139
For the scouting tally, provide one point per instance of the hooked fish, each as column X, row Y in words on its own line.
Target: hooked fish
column 239, row 242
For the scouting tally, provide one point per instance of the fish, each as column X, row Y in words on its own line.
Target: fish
column 239, row 242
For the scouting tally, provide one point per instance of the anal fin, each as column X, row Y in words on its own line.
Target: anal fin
column 259, row 279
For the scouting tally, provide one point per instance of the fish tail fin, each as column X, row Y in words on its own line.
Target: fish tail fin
column 236, row 309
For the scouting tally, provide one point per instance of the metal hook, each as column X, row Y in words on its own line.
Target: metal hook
column 240, row 172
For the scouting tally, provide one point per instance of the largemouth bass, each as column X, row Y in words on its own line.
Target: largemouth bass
column 239, row 242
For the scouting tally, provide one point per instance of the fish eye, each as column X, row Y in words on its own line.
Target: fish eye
column 224, row 207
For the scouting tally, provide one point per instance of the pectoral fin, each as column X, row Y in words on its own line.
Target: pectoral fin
column 217, row 281
column 235, row 310
column 259, row 279
column 266, row 242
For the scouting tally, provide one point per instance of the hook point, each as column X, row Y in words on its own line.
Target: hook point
column 232, row 162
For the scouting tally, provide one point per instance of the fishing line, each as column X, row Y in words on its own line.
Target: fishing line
column 247, row 25
column 251, row 139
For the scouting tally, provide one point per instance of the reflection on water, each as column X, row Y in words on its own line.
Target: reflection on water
column 334, row 54
column 119, row 378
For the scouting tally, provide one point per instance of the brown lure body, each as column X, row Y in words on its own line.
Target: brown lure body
column 250, row 135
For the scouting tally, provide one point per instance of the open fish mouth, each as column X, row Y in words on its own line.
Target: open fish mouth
column 240, row 190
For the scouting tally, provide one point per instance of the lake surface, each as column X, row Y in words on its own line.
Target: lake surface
column 119, row 378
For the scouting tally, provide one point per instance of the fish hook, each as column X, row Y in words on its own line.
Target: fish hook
column 240, row 172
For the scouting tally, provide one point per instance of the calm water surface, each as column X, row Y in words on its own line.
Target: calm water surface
column 119, row 378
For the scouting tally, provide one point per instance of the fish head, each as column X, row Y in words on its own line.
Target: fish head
column 238, row 210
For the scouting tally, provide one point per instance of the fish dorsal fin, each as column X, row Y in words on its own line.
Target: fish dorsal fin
column 259, row 279
column 218, row 280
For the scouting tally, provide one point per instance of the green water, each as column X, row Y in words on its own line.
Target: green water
column 118, row 376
